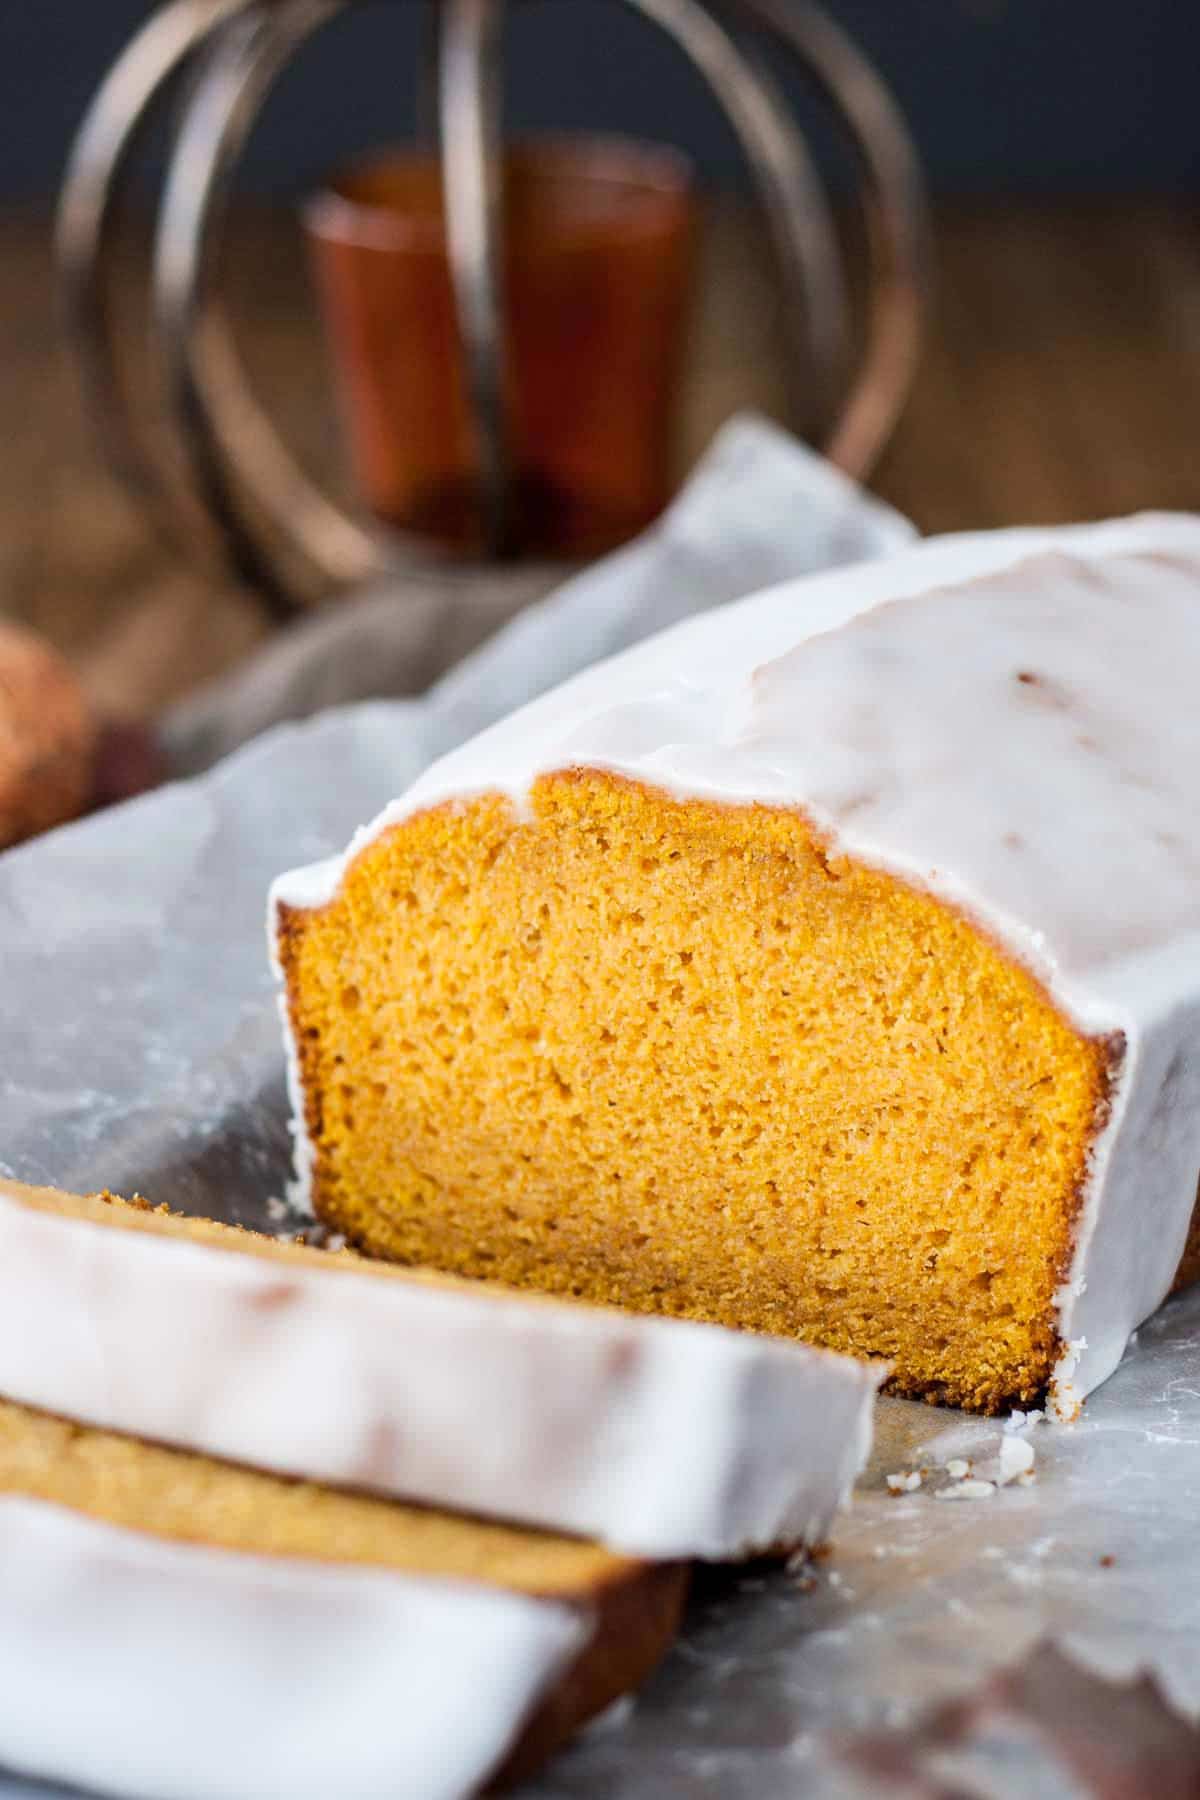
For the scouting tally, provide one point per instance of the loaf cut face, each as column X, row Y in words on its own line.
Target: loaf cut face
column 675, row 1056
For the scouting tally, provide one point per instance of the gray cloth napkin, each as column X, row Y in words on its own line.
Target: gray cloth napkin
column 758, row 509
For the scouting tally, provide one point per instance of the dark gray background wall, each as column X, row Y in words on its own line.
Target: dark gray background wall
column 1030, row 96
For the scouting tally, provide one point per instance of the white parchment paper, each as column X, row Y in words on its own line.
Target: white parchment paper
column 139, row 1048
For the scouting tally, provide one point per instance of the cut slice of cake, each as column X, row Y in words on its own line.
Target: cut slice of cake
column 180, row 1629
column 829, row 965
column 656, row 1436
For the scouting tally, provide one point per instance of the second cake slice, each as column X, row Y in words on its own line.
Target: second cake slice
column 656, row 1436
column 180, row 1629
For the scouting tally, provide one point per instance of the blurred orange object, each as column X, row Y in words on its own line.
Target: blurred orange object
column 599, row 237
column 47, row 738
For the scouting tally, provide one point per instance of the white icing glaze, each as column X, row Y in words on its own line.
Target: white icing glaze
column 656, row 1436
column 889, row 706
column 146, row 1667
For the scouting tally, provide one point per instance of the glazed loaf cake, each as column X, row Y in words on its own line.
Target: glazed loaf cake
column 829, row 965
column 658, row 1437
column 180, row 1629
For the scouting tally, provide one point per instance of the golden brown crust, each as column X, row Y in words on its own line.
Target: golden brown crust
column 47, row 738
column 177, row 1494
column 636, row 1626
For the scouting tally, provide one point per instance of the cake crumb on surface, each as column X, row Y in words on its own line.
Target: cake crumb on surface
column 1021, row 1421
column 904, row 1481
column 1064, row 1404
column 973, row 1489
column 1016, row 1458
column 799, row 1570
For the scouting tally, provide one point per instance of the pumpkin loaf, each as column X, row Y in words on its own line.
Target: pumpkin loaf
column 655, row 1436
column 214, row 1632
column 828, row 965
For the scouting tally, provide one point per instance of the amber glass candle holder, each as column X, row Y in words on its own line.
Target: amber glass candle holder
column 599, row 239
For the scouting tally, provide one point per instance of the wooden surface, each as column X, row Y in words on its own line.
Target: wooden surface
column 1061, row 380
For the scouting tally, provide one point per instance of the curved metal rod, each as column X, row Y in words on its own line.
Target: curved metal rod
column 226, row 431
column 233, row 445
column 798, row 212
column 224, row 434
column 897, row 220
column 469, row 96
column 103, row 145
